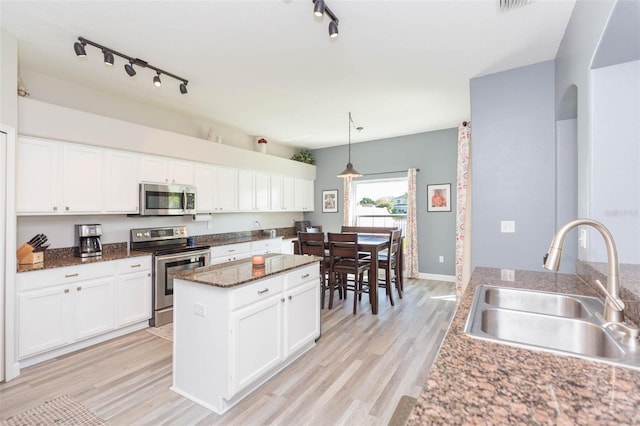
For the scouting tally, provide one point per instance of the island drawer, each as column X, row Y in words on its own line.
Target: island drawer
column 255, row 292
column 303, row 275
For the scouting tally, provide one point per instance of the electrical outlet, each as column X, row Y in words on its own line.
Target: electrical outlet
column 507, row 274
column 508, row 226
column 441, row 259
column 198, row 309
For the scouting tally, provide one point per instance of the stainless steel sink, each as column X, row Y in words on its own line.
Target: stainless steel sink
column 562, row 305
column 554, row 322
column 545, row 331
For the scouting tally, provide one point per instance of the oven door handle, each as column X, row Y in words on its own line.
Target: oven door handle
column 183, row 255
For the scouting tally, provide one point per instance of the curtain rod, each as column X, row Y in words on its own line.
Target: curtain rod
column 386, row 173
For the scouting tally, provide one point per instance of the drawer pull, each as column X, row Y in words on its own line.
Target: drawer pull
column 66, row 290
column 78, row 288
column 263, row 291
column 231, row 250
column 290, row 297
column 282, row 300
column 305, row 276
column 71, row 275
column 137, row 265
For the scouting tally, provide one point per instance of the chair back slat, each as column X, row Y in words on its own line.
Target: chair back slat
column 369, row 229
column 344, row 245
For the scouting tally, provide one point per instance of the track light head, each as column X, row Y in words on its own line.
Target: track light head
column 108, row 57
column 156, row 80
column 129, row 69
column 318, row 8
column 79, row 49
column 333, row 29
column 183, row 88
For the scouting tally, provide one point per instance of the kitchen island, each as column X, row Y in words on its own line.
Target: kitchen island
column 237, row 324
column 475, row 381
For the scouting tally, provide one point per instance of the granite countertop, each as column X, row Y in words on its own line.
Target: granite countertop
column 240, row 272
column 475, row 381
column 59, row 258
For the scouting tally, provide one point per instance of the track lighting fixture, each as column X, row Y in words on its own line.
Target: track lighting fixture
column 79, row 48
column 319, row 9
column 108, row 57
column 129, row 69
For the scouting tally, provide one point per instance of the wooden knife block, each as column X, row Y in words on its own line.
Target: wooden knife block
column 26, row 255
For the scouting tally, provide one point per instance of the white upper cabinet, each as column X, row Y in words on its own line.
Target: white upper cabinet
column 262, row 189
column 162, row 169
column 37, row 177
column 56, row 177
column 275, row 193
column 122, row 182
column 205, row 177
column 82, row 179
column 303, row 195
column 227, row 186
column 288, row 194
column 254, row 191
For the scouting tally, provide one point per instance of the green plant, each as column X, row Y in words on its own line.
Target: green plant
column 304, row 156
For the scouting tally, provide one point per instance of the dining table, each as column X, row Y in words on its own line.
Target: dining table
column 372, row 244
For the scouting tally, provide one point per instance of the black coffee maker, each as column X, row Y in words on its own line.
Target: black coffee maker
column 88, row 240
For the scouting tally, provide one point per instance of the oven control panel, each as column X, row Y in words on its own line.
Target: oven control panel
column 158, row 234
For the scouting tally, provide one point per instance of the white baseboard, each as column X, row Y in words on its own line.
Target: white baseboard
column 436, row 277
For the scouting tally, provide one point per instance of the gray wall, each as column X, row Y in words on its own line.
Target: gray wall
column 434, row 153
column 513, row 166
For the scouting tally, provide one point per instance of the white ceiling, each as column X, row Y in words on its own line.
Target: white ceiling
column 269, row 68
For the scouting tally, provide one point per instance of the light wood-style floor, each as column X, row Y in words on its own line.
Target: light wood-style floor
column 356, row 374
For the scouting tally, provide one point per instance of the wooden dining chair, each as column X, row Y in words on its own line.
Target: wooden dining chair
column 312, row 243
column 389, row 260
column 343, row 261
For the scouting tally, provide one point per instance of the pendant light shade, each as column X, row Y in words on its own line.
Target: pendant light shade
column 349, row 171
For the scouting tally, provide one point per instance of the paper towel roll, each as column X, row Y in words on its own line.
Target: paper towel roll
column 202, row 217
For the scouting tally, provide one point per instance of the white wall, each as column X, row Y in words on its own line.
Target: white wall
column 615, row 187
column 65, row 93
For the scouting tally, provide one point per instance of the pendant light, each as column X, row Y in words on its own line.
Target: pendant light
column 349, row 171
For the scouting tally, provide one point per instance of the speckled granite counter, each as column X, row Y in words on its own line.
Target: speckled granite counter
column 58, row 258
column 242, row 271
column 474, row 381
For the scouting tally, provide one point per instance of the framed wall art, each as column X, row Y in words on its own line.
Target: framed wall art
column 330, row 201
column 439, row 197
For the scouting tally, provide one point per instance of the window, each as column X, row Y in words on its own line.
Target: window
column 380, row 202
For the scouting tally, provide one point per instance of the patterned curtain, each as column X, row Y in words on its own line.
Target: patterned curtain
column 463, row 210
column 411, row 252
column 346, row 202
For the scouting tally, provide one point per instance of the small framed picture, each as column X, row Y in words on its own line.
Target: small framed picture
column 330, row 201
column 439, row 197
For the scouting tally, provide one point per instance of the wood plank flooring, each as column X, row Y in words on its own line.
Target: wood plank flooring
column 356, row 374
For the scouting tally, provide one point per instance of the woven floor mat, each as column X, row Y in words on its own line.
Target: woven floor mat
column 59, row 411
column 402, row 411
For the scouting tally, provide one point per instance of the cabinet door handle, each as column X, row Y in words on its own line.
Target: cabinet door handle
column 67, row 208
column 71, row 275
column 231, row 250
column 282, row 300
column 78, row 288
column 55, row 208
column 290, row 297
column 305, row 276
column 263, row 291
column 137, row 265
column 66, row 290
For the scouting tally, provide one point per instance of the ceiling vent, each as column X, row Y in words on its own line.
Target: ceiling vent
column 507, row 5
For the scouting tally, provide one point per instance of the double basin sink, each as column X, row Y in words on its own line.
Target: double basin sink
column 560, row 323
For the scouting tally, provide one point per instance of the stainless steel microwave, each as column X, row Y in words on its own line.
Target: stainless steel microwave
column 157, row 199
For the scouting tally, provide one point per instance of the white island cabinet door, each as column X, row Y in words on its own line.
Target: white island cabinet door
column 94, row 313
column 82, row 179
column 256, row 336
column 300, row 326
column 44, row 319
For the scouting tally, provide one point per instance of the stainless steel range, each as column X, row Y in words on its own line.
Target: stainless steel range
column 171, row 254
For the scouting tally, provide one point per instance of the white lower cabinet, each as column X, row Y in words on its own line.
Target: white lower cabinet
column 61, row 306
column 251, row 331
